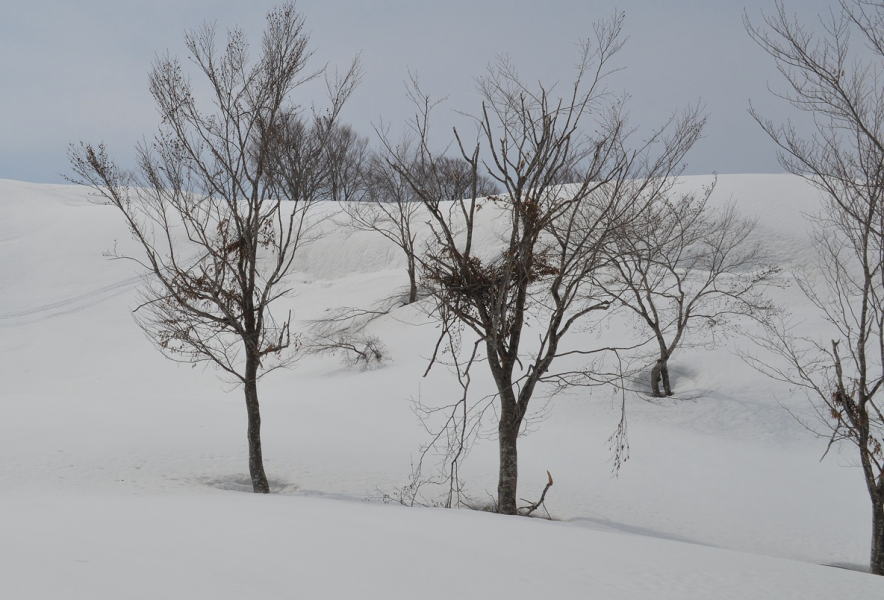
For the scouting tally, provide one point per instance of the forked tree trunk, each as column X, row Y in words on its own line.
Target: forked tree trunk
column 256, row 459
column 876, row 564
column 660, row 372
column 508, row 476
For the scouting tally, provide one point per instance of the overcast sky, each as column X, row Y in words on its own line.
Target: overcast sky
column 74, row 71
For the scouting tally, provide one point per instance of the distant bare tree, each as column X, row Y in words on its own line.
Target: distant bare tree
column 220, row 200
column 844, row 159
column 388, row 206
column 677, row 264
column 454, row 179
column 347, row 155
column 554, row 236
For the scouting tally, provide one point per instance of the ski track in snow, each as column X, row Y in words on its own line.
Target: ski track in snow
column 70, row 304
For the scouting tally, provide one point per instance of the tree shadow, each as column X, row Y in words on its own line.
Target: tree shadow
column 602, row 524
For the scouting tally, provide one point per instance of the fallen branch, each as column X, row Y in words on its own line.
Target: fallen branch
column 532, row 506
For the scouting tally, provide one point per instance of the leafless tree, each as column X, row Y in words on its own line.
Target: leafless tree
column 839, row 85
column 219, row 203
column 455, row 179
column 678, row 264
column 347, row 155
column 555, row 235
column 389, row 207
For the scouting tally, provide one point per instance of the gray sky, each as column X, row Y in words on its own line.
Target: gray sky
column 74, row 71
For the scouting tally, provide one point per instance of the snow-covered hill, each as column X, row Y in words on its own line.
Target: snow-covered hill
column 121, row 472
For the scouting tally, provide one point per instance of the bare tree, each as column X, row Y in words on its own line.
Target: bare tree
column 555, row 235
column 220, row 200
column 347, row 155
column 389, row 207
column 843, row 157
column 677, row 264
column 455, row 179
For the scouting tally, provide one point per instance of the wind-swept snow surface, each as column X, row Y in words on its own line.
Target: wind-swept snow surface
column 122, row 473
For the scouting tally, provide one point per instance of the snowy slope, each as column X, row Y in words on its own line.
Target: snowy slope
column 121, row 472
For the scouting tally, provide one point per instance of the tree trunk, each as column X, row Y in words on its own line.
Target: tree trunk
column 256, row 460
column 508, row 434
column 655, row 378
column 412, row 281
column 876, row 564
column 664, row 372
column 660, row 371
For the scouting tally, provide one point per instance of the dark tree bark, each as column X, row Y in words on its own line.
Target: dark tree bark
column 253, row 411
column 876, row 565
column 412, row 279
column 664, row 373
column 660, row 373
column 656, row 376
column 508, row 476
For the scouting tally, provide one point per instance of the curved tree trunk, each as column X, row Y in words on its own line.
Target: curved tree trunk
column 876, row 564
column 256, row 459
column 508, row 476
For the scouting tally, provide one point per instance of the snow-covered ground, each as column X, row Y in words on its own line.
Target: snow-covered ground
column 122, row 473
